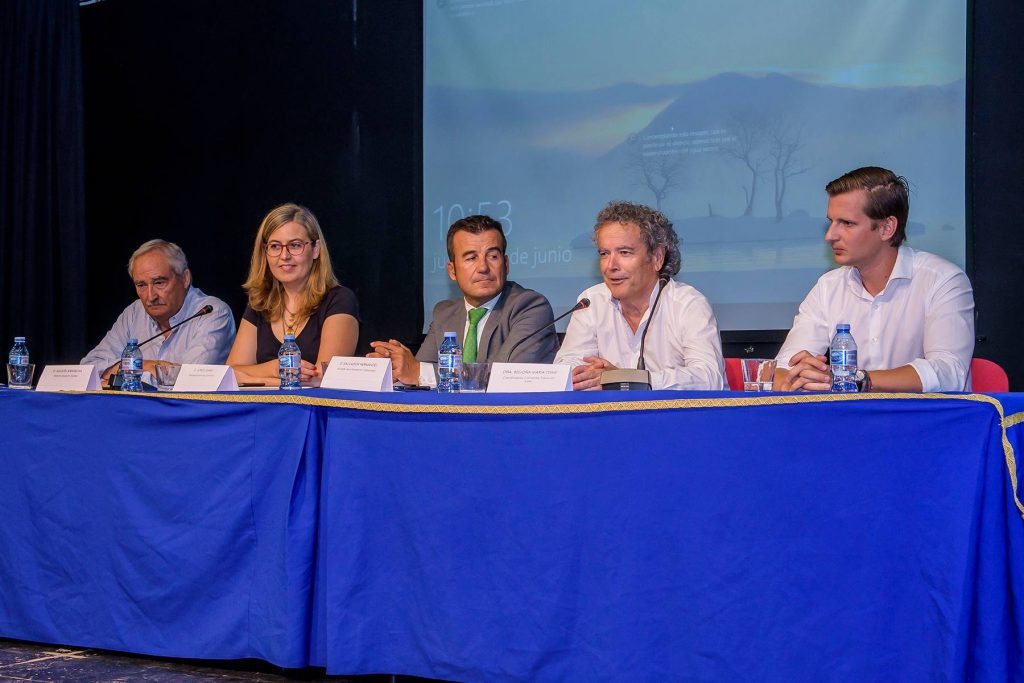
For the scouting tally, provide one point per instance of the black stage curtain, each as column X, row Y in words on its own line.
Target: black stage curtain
column 202, row 116
column 42, row 215
column 995, row 152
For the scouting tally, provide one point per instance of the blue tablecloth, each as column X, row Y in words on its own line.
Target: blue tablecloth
column 159, row 526
column 672, row 536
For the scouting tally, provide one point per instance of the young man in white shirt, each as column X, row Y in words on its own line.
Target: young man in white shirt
column 911, row 312
column 639, row 254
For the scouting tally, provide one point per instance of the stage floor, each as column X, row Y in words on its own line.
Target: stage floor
column 24, row 661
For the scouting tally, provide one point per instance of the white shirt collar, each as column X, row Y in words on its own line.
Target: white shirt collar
column 489, row 305
column 903, row 269
column 650, row 303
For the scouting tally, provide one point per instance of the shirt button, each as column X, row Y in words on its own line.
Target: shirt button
column 874, row 339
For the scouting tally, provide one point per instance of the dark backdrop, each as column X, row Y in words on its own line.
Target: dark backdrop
column 995, row 193
column 201, row 116
column 42, row 219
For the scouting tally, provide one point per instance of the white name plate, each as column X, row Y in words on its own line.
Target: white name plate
column 69, row 378
column 194, row 377
column 523, row 377
column 358, row 374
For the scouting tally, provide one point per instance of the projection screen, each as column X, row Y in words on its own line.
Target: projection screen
column 730, row 117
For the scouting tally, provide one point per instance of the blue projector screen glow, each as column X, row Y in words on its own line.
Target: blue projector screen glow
column 730, row 117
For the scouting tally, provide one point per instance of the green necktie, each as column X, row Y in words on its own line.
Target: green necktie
column 469, row 352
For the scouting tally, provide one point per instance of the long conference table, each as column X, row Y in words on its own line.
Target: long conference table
column 531, row 537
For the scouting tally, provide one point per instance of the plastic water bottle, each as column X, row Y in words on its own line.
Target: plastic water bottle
column 18, row 360
column 449, row 365
column 131, row 366
column 289, row 363
column 842, row 357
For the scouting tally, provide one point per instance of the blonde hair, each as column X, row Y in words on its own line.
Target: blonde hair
column 266, row 294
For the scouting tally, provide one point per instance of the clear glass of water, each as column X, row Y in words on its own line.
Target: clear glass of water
column 475, row 377
column 20, row 376
column 167, row 375
column 758, row 373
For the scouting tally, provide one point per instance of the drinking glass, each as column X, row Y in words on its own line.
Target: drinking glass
column 758, row 373
column 167, row 375
column 20, row 376
column 475, row 377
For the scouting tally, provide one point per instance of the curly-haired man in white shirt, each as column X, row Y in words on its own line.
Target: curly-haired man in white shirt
column 638, row 252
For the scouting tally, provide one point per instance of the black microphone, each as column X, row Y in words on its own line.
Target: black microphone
column 202, row 311
column 580, row 305
column 640, row 365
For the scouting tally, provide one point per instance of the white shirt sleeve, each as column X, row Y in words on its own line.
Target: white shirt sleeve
column 948, row 337
column 580, row 341
column 428, row 377
column 810, row 330
column 702, row 367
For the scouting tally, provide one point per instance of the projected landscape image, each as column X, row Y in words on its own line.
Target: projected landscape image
column 735, row 146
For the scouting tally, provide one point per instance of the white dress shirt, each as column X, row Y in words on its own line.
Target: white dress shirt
column 923, row 318
column 682, row 351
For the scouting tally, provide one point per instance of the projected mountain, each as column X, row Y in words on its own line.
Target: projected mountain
column 707, row 129
column 739, row 163
column 809, row 133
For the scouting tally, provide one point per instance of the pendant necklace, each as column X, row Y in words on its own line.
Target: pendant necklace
column 289, row 328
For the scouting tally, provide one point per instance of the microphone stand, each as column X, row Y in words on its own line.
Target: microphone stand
column 638, row 379
column 113, row 381
column 580, row 305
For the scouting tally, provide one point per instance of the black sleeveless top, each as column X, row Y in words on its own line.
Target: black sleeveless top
column 336, row 300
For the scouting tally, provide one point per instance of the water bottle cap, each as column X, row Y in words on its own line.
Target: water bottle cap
column 843, row 327
column 132, row 340
column 289, row 337
column 449, row 334
column 19, row 340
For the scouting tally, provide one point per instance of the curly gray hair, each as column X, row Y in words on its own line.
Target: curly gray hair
column 655, row 229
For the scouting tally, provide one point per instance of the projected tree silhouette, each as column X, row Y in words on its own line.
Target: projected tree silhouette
column 749, row 131
column 661, row 173
column 784, row 144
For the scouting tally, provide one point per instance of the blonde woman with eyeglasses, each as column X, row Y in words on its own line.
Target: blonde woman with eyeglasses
column 292, row 290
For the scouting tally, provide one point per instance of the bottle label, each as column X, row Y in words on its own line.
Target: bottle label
column 446, row 361
column 18, row 359
column 131, row 365
column 289, row 361
column 843, row 358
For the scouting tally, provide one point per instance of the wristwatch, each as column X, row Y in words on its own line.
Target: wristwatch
column 863, row 380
